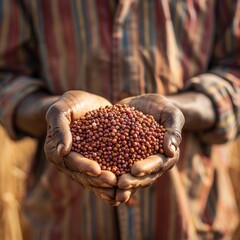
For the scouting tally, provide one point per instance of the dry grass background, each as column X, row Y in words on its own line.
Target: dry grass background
column 234, row 169
column 14, row 162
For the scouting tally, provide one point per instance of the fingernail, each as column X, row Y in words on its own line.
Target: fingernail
column 91, row 174
column 60, row 149
column 116, row 204
column 139, row 175
column 173, row 148
column 123, row 198
column 105, row 185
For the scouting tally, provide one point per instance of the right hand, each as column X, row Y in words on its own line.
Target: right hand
column 71, row 106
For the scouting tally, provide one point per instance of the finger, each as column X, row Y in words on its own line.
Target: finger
column 173, row 120
column 105, row 180
column 124, row 195
column 128, row 181
column 77, row 163
column 106, row 194
column 51, row 152
column 66, row 171
column 50, row 149
column 151, row 164
column 58, row 127
column 171, row 161
column 112, row 203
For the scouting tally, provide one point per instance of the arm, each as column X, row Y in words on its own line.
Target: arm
column 30, row 114
column 18, row 67
column 197, row 109
column 217, row 92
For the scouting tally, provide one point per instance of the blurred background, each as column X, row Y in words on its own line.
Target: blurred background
column 13, row 170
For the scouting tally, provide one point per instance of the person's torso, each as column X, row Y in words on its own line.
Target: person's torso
column 121, row 49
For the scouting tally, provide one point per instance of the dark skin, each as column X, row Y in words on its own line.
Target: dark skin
column 60, row 111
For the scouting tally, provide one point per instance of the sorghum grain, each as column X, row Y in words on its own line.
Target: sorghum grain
column 116, row 137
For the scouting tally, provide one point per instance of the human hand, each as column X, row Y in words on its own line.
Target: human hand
column 71, row 106
column 146, row 172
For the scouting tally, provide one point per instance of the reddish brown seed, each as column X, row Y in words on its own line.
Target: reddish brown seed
column 156, row 147
column 90, row 148
column 116, row 137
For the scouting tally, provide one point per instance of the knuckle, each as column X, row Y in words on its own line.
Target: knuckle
column 54, row 131
column 53, row 111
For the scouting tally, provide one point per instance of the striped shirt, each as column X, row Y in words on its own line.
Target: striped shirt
column 124, row 48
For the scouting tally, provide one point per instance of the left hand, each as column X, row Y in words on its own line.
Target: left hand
column 145, row 173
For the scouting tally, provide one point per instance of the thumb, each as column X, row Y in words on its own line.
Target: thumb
column 58, row 122
column 173, row 120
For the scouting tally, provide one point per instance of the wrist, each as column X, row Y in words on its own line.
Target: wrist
column 30, row 114
column 197, row 109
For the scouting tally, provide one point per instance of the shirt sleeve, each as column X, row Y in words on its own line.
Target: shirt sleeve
column 222, row 82
column 18, row 62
